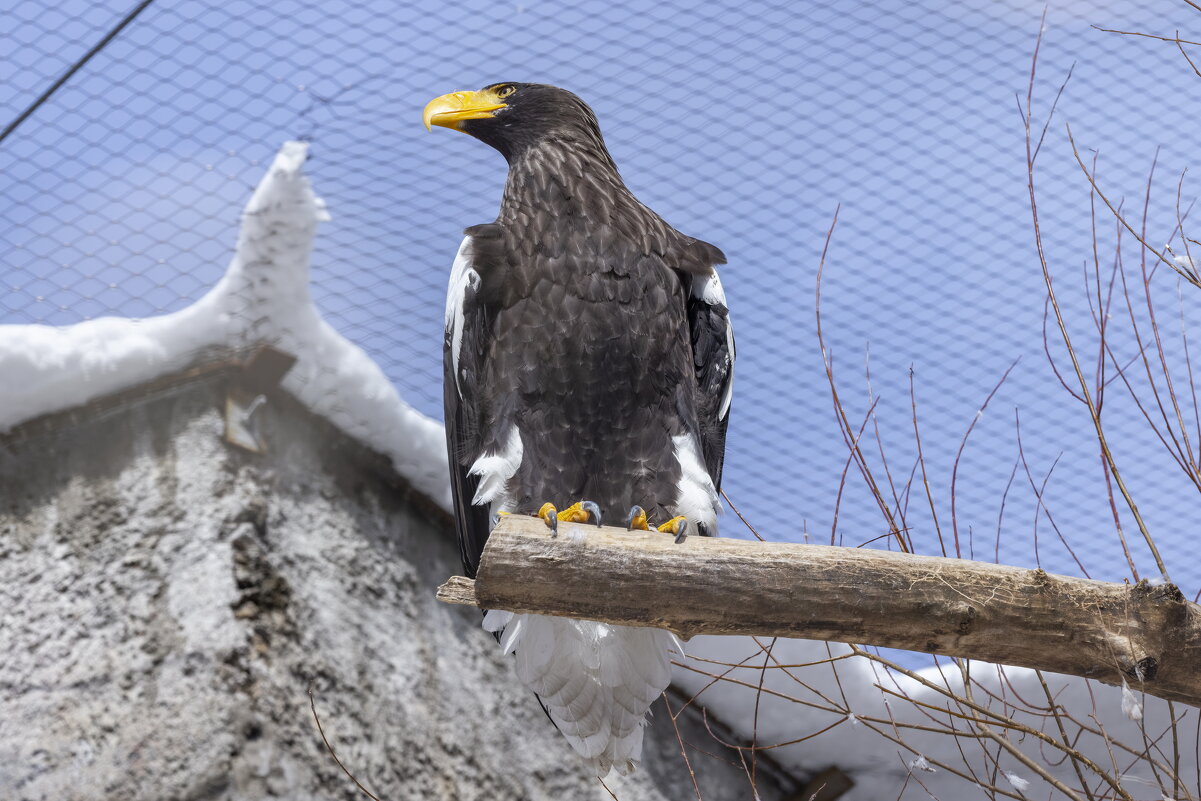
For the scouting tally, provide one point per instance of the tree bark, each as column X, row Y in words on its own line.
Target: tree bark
column 1148, row 635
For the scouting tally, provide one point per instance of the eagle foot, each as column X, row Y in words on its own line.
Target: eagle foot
column 636, row 521
column 678, row 525
column 578, row 512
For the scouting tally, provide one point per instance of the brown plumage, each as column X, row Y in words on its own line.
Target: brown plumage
column 588, row 356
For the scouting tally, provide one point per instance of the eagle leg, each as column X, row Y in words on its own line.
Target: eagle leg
column 677, row 525
column 578, row 512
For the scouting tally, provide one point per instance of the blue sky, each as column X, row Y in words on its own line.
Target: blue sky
column 743, row 124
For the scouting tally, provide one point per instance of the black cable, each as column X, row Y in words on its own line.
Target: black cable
column 66, row 76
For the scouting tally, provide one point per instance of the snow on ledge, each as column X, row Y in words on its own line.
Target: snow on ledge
column 263, row 298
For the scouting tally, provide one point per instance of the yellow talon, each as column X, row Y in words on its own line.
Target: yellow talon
column 636, row 519
column 581, row 512
column 677, row 525
column 549, row 515
column 673, row 526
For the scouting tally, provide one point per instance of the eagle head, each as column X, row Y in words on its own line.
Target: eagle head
column 513, row 117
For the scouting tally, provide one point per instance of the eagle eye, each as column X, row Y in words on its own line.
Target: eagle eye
column 505, row 91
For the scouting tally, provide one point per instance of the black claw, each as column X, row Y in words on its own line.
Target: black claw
column 495, row 520
column 702, row 530
column 593, row 510
column 681, row 531
column 635, row 511
column 554, row 525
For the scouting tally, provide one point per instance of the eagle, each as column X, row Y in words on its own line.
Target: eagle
column 588, row 367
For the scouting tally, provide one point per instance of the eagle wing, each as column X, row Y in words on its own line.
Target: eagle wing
column 713, row 360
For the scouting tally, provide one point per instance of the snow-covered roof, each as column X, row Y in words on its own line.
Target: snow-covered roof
column 263, row 298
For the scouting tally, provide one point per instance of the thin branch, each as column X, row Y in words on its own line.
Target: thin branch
column 1175, row 39
column 1046, row 271
column 963, row 444
column 839, row 409
column 683, row 751
column 330, row 748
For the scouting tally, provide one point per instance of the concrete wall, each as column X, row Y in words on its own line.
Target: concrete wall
column 166, row 600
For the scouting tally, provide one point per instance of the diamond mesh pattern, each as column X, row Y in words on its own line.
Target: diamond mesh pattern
column 743, row 125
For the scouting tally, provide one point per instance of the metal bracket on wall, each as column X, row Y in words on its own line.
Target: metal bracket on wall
column 261, row 372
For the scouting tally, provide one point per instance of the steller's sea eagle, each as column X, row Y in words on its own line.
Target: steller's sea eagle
column 588, row 363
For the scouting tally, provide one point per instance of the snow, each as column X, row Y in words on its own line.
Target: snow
column 1017, row 781
column 1131, row 707
column 847, row 695
column 263, row 298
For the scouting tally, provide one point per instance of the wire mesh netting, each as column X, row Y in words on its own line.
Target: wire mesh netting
column 742, row 125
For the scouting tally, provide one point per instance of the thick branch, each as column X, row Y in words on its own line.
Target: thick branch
column 1149, row 635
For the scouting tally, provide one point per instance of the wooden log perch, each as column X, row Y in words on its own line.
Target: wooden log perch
column 1148, row 635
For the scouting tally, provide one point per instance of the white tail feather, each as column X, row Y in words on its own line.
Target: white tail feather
column 596, row 680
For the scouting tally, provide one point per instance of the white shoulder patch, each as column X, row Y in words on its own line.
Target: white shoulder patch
column 710, row 290
column 462, row 277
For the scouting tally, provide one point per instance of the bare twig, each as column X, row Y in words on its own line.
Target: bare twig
column 330, row 748
column 1046, row 271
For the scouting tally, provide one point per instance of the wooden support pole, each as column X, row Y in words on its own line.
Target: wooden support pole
column 1148, row 635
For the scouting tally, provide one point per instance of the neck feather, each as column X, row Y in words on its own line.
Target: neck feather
column 565, row 177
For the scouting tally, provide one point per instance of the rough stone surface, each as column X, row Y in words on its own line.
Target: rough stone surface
column 166, row 601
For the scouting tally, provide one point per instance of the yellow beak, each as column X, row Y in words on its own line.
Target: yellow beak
column 449, row 110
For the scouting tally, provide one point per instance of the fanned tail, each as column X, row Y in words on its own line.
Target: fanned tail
column 595, row 680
